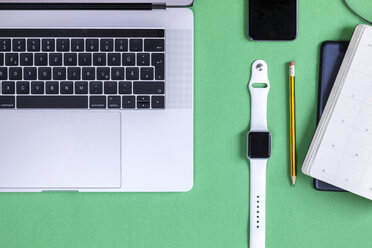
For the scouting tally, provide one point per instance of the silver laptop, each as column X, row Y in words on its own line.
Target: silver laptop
column 96, row 95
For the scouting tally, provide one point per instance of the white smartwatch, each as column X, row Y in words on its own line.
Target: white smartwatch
column 259, row 150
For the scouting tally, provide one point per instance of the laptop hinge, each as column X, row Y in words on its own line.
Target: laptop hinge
column 159, row 6
column 78, row 6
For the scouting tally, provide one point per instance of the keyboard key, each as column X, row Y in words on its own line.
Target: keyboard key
column 99, row 59
column 114, row 101
column 77, row 45
column 95, row 87
column 30, row 73
column 23, row 87
column 121, row 45
column 41, row 59
column 15, row 73
column 143, row 105
column 63, row 45
column 143, row 99
column 143, row 59
column 147, row 73
column 125, row 87
column 114, row 59
column 52, row 102
column 135, row 45
column 132, row 73
column 66, row 87
column 128, row 59
column 45, row 73
column 157, row 60
column 7, row 102
column 19, row 45
column 59, row 73
column 128, row 102
column 70, row 59
column 55, row 59
column 81, row 87
column 11, row 59
column 117, row 73
column 1, row 59
column 26, row 59
column 85, row 59
column 3, row 73
column 110, row 87
column 157, row 102
column 148, row 87
column 37, row 87
column 48, row 45
column 92, row 45
column 154, row 45
column 143, row 102
column 97, row 101
column 33, row 45
column 52, row 87
column 89, row 73
column 107, row 45
column 8, row 87
column 103, row 73
column 5, row 45
column 74, row 73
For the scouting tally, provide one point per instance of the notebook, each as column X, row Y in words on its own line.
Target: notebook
column 341, row 150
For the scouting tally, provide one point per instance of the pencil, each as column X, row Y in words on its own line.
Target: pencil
column 292, row 124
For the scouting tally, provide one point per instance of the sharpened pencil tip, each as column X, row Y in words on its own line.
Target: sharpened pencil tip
column 293, row 181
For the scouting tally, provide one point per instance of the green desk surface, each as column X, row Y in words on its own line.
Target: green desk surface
column 215, row 213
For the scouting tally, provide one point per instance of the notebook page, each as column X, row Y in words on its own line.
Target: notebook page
column 344, row 157
column 338, row 85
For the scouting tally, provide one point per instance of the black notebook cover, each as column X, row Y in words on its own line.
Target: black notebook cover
column 332, row 54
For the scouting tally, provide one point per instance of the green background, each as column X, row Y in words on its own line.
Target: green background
column 215, row 213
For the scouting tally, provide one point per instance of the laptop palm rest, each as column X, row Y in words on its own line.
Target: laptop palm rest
column 60, row 149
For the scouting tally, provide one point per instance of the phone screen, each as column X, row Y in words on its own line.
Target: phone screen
column 272, row 19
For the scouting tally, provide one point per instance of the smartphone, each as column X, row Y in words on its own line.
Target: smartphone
column 272, row 19
column 331, row 56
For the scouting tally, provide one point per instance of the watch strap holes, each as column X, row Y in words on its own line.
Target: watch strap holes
column 259, row 85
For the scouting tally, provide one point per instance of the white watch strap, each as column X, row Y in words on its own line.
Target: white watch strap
column 259, row 96
column 257, row 203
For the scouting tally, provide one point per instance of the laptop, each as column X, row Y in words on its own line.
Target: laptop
column 96, row 95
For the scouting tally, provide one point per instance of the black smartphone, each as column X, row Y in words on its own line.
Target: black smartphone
column 272, row 19
column 331, row 55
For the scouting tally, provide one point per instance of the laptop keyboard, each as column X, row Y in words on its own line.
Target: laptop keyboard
column 82, row 68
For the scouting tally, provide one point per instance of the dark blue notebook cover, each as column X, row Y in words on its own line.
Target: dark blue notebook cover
column 332, row 54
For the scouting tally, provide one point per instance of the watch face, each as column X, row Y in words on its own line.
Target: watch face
column 259, row 144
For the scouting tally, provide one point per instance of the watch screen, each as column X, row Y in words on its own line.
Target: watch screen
column 259, row 145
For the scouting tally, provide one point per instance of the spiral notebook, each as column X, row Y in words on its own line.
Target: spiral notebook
column 341, row 150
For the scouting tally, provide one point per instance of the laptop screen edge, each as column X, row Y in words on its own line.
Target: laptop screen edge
column 167, row 2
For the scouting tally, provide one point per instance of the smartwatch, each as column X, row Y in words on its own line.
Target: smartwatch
column 258, row 152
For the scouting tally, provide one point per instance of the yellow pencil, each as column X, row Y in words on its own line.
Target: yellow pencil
column 292, row 124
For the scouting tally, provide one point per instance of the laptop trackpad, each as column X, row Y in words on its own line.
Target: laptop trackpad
column 60, row 149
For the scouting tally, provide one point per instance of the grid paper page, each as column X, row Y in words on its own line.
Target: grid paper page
column 344, row 157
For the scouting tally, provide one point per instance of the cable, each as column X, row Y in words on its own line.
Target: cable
column 352, row 10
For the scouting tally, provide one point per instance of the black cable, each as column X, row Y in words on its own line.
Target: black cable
column 352, row 10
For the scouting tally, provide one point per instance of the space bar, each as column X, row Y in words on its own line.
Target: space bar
column 52, row 102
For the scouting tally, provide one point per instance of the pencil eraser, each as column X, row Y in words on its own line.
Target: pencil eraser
column 291, row 63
